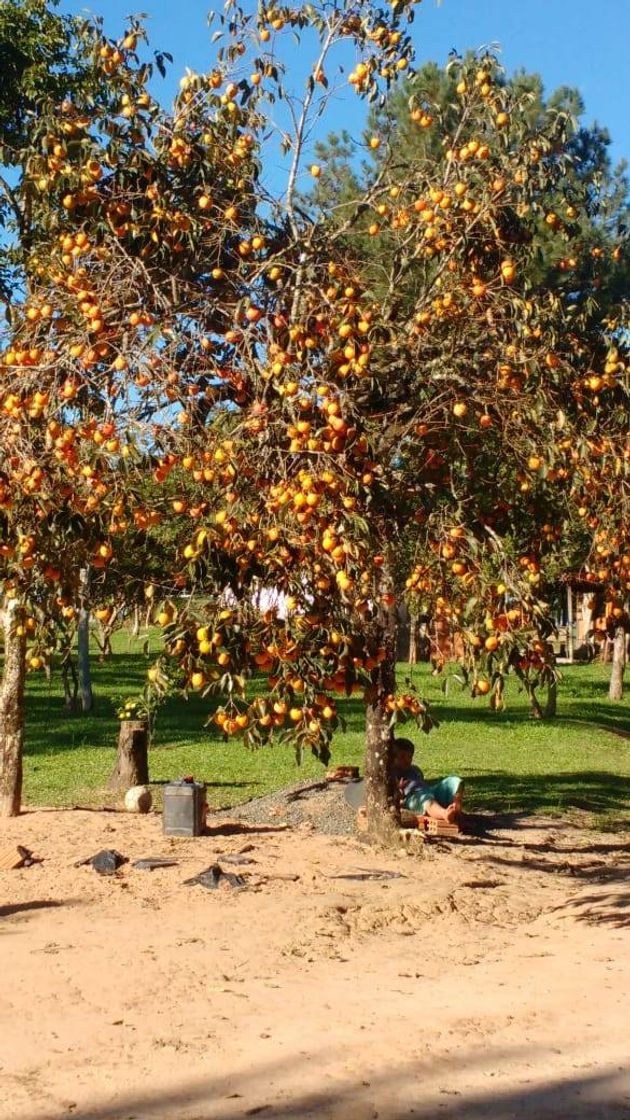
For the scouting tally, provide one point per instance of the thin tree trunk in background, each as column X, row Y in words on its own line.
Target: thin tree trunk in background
column 83, row 643
column 104, row 640
column 12, row 713
column 551, row 707
column 70, row 693
column 615, row 690
column 570, row 624
column 413, row 638
column 536, row 711
column 587, row 622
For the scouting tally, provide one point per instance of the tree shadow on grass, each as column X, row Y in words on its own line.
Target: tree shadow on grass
column 586, row 685
column 602, row 719
column 596, row 791
column 52, row 727
column 447, row 713
column 595, row 715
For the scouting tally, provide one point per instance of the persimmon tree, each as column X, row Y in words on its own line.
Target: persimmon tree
column 431, row 384
column 587, row 265
column 300, row 404
column 36, row 62
column 123, row 316
column 79, row 426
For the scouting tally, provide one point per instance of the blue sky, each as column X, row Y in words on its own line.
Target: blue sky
column 579, row 43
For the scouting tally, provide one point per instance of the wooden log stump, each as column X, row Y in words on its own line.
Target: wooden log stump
column 132, row 760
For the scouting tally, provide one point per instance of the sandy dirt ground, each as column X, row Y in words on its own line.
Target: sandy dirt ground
column 487, row 977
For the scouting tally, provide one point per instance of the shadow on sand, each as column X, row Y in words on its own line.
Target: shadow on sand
column 598, row 1096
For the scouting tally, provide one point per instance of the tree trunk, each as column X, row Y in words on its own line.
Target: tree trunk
column 413, row 638
column 83, row 643
column 104, row 642
column 535, row 711
column 70, row 692
column 132, row 760
column 615, row 691
column 12, row 713
column 551, row 707
column 380, row 793
column 570, row 637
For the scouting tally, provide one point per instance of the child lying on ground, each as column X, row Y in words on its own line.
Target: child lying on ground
column 440, row 799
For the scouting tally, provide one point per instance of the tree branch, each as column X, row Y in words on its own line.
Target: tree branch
column 13, row 203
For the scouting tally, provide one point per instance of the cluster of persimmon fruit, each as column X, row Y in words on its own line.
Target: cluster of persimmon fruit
column 495, row 627
column 302, row 658
column 382, row 32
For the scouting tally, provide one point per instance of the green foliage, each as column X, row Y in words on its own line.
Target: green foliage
column 565, row 232
column 509, row 762
column 36, row 51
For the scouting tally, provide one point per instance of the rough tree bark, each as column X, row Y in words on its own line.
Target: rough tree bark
column 132, row 760
column 12, row 713
column 380, row 800
column 83, row 643
column 615, row 690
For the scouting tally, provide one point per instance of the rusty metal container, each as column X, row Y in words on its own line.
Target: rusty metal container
column 184, row 811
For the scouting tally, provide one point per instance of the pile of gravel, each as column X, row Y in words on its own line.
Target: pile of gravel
column 319, row 804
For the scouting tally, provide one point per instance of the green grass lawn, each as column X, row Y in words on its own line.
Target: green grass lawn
column 509, row 762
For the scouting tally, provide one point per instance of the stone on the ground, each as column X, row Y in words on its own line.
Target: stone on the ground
column 138, row 799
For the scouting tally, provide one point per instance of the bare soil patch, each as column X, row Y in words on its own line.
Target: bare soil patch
column 487, row 977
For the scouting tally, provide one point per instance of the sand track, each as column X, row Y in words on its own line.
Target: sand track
column 489, row 978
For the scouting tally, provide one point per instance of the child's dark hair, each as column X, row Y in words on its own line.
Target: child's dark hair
column 404, row 745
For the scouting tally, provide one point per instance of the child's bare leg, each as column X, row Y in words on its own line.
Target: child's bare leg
column 435, row 810
column 449, row 813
